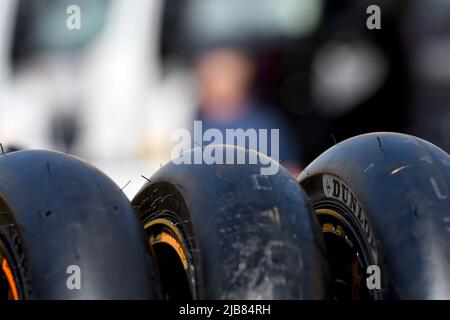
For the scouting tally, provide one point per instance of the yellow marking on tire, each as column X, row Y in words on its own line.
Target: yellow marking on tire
column 329, row 212
column 165, row 237
column 166, row 223
column 330, row 228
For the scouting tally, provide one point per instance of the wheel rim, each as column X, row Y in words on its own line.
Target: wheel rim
column 347, row 257
column 8, row 283
column 168, row 246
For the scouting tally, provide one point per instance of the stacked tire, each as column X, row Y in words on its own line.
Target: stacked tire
column 68, row 232
column 225, row 231
column 383, row 203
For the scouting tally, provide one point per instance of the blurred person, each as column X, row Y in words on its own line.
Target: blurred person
column 225, row 78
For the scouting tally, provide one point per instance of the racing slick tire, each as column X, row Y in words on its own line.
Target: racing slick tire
column 225, row 231
column 68, row 232
column 383, row 203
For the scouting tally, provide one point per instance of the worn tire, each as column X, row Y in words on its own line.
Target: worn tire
column 388, row 193
column 58, row 214
column 234, row 233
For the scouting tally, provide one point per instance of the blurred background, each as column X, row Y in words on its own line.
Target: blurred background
column 114, row 91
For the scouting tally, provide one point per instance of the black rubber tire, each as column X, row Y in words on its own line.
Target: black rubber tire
column 247, row 236
column 57, row 211
column 402, row 184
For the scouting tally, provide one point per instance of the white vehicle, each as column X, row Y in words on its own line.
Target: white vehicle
column 101, row 82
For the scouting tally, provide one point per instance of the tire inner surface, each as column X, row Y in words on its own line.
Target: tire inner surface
column 169, row 243
column 348, row 255
column 10, row 282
